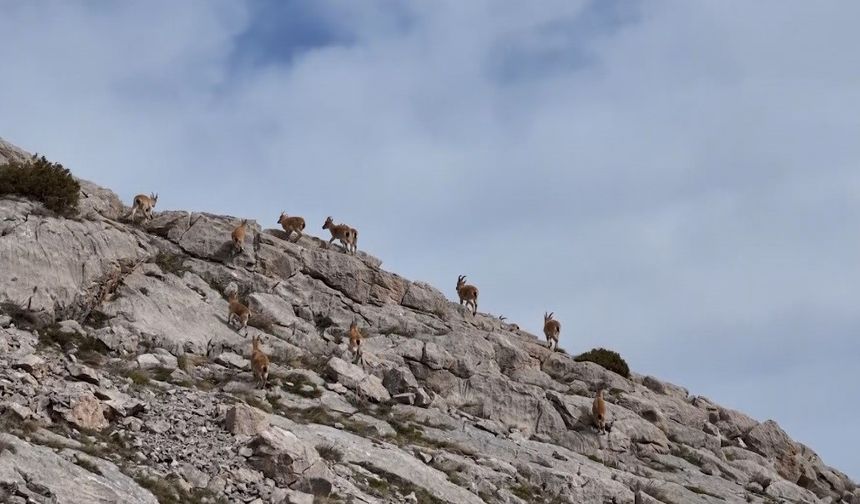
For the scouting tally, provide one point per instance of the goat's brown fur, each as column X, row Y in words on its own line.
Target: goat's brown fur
column 598, row 412
column 259, row 362
column 551, row 329
column 145, row 204
column 346, row 235
column 468, row 294
column 355, row 339
column 238, row 311
column 292, row 225
column 238, row 236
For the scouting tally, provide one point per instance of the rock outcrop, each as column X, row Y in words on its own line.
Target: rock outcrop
column 123, row 382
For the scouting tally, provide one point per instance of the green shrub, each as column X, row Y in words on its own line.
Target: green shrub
column 606, row 358
column 43, row 181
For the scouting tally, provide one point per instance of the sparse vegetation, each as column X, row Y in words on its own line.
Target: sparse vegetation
column 653, row 490
column 316, row 415
column 6, row 446
column 160, row 374
column 138, row 377
column 144, row 377
column 322, row 322
column 314, row 362
column 9, row 422
column 41, row 180
column 171, row 263
column 330, row 453
column 97, row 319
column 299, row 384
column 251, row 400
column 613, row 464
column 762, row 479
column 89, row 466
column 525, row 492
column 25, row 318
column 701, row 491
column 184, row 363
column 440, row 311
column 90, row 349
column 456, row 477
column 410, row 433
column 387, row 482
column 687, row 454
column 606, row 358
column 168, row 491
column 109, row 445
column 659, row 466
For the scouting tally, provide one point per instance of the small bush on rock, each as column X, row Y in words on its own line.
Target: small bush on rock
column 41, row 180
column 606, row 358
column 171, row 263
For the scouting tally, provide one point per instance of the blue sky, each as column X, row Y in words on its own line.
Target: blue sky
column 675, row 180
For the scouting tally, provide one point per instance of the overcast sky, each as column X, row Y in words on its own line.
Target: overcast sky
column 677, row 180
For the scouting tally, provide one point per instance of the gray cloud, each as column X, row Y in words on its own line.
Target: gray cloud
column 676, row 181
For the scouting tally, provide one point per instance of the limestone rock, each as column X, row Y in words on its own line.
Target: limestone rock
column 245, row 420
column 290, row 462
column 38, row 471
column 231, row 359
column 353, row 377
column 86, row 412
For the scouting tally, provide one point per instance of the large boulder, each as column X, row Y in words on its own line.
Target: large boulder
column 245, row 420
column 56, row 262
column 353, row 377
column 769, row 440
column 290, row 461
column 83, row 410
column 97, row 201
column 33, row 473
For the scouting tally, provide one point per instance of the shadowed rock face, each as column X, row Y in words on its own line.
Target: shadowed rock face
column 446, row 407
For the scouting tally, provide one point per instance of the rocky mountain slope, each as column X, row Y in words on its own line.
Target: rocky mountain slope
column 120, row 381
